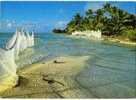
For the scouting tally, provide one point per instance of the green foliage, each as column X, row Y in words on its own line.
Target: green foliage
column 74, row 24
column 109, row 19
column 131, row 34
column 58, row 31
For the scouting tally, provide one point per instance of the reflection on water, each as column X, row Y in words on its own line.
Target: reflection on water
column 110, row 72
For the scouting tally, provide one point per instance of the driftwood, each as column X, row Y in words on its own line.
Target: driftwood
column 51, row 81
column 55, row 61
column 21, row 80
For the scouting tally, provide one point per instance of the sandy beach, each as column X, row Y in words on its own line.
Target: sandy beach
column 50, row 79
column 119, row 40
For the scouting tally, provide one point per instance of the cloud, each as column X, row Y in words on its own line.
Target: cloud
column 94, row 5
column 7, row 23
column 12, row 25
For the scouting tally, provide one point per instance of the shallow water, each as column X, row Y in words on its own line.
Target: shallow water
column 110, row 72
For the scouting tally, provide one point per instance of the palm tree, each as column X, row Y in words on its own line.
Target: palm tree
column 74, row 23
column 118, row 20
column 89, row 13
column 98, row 20
column 85, row 24
column 110, row 20
column 107, row 7
column 89, row 17
column 132, row 21
column 77, row 19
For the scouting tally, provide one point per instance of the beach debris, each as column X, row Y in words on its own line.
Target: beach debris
column 21, row 81
column 51, row 81
column 56, row 61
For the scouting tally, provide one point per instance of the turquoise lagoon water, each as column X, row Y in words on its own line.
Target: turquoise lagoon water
column 110, row 71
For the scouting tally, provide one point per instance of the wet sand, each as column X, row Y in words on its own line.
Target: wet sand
column 50, row 79
column 119, row 40
column 7, row 83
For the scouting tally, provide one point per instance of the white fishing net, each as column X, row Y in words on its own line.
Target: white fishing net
column 19, row 42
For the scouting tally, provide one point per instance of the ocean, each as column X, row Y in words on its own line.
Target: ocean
column 110, row 71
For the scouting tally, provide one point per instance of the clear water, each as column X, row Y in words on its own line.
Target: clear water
column 110, row 71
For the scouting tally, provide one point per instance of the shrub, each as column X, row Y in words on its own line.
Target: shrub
column 131, row 34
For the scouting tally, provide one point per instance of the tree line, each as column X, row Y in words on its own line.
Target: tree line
column 110, row 20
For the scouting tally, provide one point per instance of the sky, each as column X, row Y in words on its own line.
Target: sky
column 43, row 16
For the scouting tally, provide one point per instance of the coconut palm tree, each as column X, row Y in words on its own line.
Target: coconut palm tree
column 74, row 23
column 98, row 20
column 117, row 20
column 109, row 19
column 89, row 17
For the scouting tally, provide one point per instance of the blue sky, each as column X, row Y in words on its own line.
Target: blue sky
column 44, row 16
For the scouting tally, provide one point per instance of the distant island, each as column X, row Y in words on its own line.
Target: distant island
column 114, row 23
column 59, row 31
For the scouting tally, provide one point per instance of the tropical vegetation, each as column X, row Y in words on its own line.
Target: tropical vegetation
column 58, row 31
column 111, row 20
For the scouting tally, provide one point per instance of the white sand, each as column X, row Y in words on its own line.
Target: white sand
column 32, row 84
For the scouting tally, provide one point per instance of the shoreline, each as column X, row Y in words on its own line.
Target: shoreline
column 108, row 39
column 120, row 41
column 36, row 79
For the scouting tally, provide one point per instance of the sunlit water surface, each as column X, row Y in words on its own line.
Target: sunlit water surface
column 110, row 71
